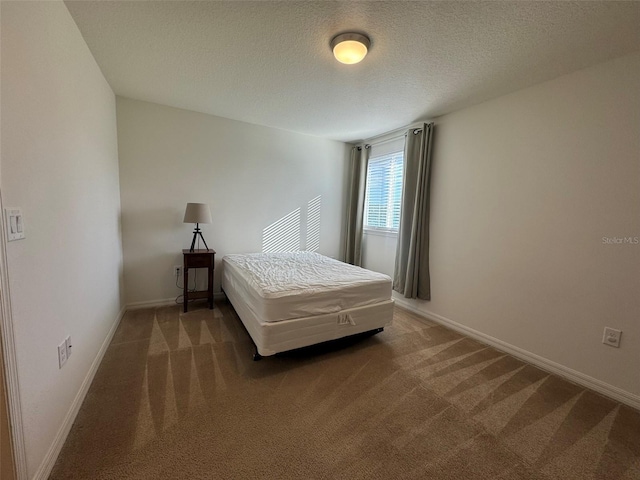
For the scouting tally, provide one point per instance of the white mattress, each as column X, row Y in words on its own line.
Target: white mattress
column 282, row 286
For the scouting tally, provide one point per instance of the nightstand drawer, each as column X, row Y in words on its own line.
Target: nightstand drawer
column 198, row 261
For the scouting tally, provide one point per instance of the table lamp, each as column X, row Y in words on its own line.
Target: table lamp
column 197, row 213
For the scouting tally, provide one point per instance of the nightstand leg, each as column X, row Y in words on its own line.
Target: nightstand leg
column 185, row 291
column 210, row 287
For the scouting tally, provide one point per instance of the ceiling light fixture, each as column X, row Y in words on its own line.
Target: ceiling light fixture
column 350, row 48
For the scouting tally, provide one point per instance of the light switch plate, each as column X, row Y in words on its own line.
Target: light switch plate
column 15, row 224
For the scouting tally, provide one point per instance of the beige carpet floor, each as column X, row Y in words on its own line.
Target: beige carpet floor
column 178, row 396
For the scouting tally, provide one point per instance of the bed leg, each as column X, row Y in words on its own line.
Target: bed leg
column 256, row 356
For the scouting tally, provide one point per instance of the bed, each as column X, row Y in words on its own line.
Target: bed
column 296, row 299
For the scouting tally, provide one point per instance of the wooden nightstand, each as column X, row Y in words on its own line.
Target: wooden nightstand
column 198, row 259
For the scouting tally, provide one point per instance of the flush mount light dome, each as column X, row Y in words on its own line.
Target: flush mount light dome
column 350, row 48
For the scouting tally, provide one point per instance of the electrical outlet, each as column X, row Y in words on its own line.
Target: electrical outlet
column 62, row 354
column 67, row 342
column 177, row 270
column 611, row 337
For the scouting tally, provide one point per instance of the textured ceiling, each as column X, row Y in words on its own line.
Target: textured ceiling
column 269, row 63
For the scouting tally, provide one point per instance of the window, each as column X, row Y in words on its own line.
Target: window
column 383, row 192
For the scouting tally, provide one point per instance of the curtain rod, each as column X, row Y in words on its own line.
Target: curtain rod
column 392, row 139
column 413, row 128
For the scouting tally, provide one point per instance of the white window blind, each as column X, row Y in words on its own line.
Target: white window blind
column 384, row 192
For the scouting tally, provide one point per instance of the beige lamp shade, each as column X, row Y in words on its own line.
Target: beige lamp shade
column 197, row 213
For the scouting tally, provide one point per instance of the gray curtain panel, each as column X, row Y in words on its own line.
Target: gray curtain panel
column 411, row 276
column 355, row 207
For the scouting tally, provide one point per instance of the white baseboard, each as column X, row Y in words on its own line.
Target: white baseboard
column 150, row 303
column 52, row 455
column 544, row 363
column 165, row 301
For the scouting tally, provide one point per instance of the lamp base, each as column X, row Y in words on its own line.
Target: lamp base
column 197, row 232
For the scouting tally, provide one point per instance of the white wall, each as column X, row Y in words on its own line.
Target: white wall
column 379, row 252
column 59, row 163
column 524, row 189
column 251, row 176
